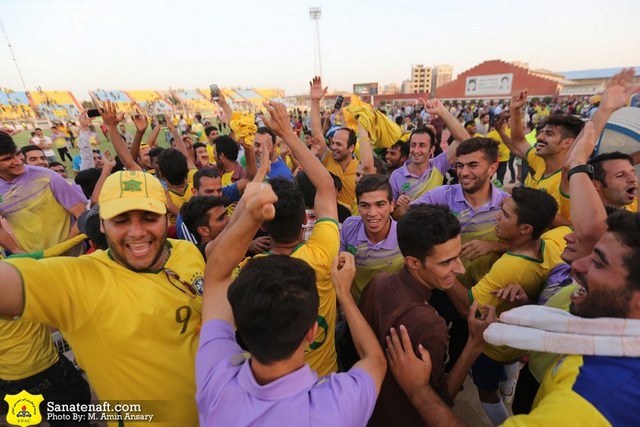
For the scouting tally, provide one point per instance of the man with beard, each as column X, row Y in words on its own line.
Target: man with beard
column 576, row 389
column 396, row 155
column 132, row 312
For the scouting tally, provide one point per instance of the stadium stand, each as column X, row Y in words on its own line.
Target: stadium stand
column 54, row 105
column 194, row 101
column 15, row 106
column 151, row 101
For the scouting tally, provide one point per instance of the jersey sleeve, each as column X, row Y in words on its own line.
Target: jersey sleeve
column 64, row 193
column 502, row 273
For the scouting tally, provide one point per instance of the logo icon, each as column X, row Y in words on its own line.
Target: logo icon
column 24, row 409
column 132, row 185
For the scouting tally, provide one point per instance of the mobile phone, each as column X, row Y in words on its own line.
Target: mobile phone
column 215, row 92
column 339, row 101
column 93, row 113
column 161, row 119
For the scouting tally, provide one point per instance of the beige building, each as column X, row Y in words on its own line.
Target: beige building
column 420, row 81
column 442, row 74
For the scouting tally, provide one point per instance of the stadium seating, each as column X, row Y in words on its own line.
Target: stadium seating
column 54, row 105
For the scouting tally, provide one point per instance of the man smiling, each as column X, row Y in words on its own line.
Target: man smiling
column 141, row 297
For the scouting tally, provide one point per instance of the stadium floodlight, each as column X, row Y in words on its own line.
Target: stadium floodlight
column 315, row 13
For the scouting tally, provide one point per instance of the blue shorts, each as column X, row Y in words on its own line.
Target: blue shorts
column 487, row 373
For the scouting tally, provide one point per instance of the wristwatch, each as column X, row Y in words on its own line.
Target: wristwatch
column 586, row 168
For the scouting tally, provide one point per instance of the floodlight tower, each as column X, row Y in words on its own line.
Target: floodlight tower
column 13, row 56
column 315, row 13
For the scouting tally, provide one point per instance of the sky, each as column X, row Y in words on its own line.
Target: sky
column 80, row 45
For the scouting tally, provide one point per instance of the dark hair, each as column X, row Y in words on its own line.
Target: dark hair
column 208, row 129
column 266, row 131
column 404, row 148
column 204, row 172
column 55, row 164
column 425, row 226
column 195, row 212
column 156, row 151
column 487, row 145
column 290, row 212
column 227, row 146
column 381, row 166
column 87, row 180
column 308, row 190
column 626, row 226
column 198, row 145
column 425, row 130
column 173, row 166
column 28, row 148
column 570, row 126
column 534, row 207
column 275, row 302
column 353, row 138
column 597, row 163
column 375, row 182
column 469, row 123
column 7, row 146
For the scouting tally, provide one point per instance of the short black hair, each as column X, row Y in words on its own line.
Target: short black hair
column 404, row 148
column 227, row 146
column 55, row 164
column 373, row 182
column 7, row 146
column 308, row 190
column 353, row 138
column 597, row 163
column 290, row 212
column 198, row 145
column 28, row 148
column 570, row 126
column 425, row 226
column 425, row 130
column 626, row 226
column 87, row 180
column 208, row 129
column 155, row 151
column 201, row 173
column 195, row 212
column 275, row 303
column 266, row 131
column 534, row 207
column 487, row 145
column 173, row 166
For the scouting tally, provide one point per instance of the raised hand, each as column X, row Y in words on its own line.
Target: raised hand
column 110, row 114
column 343, row 270
column 583, row 146
column 260, row 200
column 316, row 91
column 278, row 120
column 619, row 89
column 140, row 120
column 518, row 99
column 433, row 106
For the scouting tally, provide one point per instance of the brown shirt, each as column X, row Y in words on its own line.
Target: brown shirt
column 391, row 300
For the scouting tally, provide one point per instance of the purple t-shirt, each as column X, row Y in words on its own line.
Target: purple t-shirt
column 404, row 182
column 228, row 394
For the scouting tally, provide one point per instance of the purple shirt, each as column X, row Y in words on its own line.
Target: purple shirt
column 228, row 394
column 404, row 182
column 370, row 258
column 475, row 223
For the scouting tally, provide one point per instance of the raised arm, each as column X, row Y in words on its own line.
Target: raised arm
column 111, row 118
column 228, row 249
column 226, row 108
column 587, row 211
column 372, row 359
column 616, row 95
column 108, row 164
column 141, row 122
column 178, row 142
column 325, row 202
column 457, row 130
column 517, row 143
column 317, row 92
column 366, row 151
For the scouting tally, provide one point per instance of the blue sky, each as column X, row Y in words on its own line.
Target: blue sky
column 142, row 44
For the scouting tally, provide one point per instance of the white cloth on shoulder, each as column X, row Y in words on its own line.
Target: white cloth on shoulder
column 553, row 330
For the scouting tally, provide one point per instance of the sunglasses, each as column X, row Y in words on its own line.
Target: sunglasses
column 182, row 286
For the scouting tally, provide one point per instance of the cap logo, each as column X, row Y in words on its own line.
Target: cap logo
column 132, row 185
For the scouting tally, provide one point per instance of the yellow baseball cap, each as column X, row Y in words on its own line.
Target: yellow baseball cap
column 129, row 191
